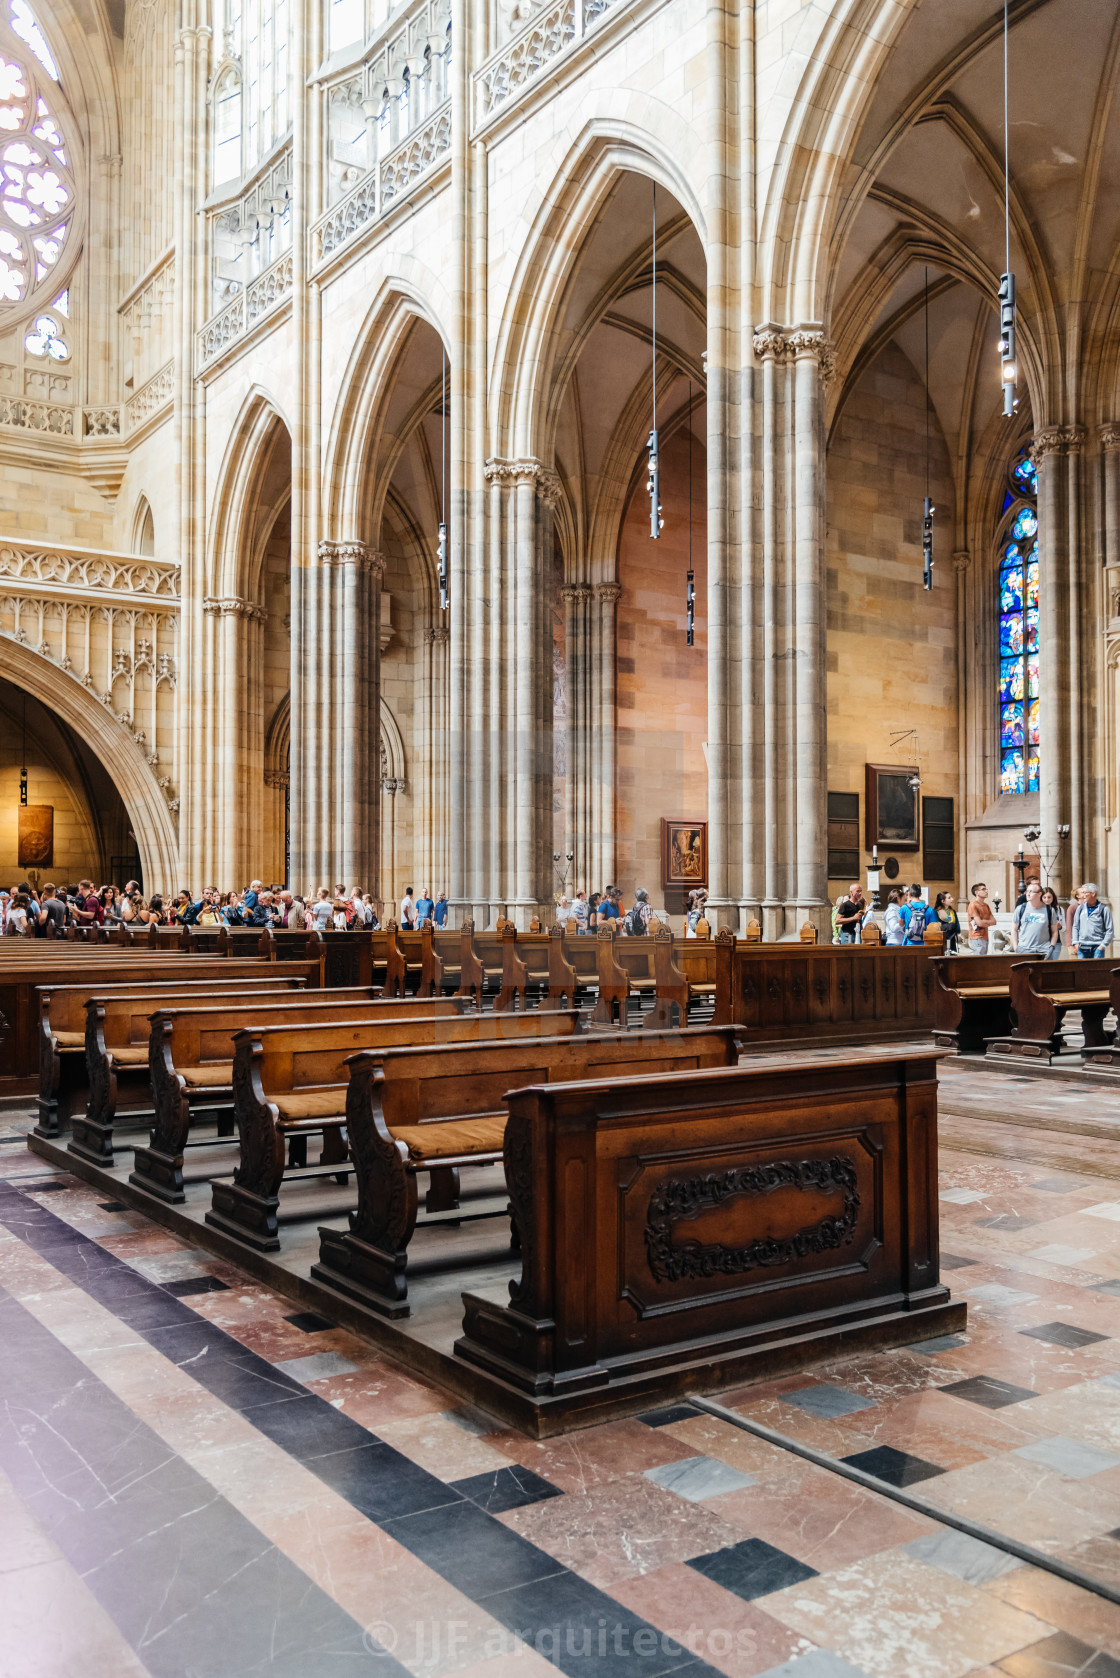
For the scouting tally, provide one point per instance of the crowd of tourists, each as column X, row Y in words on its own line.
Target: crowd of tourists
column 1082, row 928
column 48, row 910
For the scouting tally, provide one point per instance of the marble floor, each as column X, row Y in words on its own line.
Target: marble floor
column 197, row 1480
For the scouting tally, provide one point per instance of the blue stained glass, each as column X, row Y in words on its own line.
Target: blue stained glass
column 1019, row 706
column 1011, row 590
column 1010, row 679
column 1024, row 475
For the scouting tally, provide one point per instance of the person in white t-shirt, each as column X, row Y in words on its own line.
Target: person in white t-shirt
column 408, row 911
column 321, row 913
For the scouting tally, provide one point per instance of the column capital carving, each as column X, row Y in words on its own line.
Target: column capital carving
column 510, row 472
column 961, row 560
column 231, row 606
column 575, row 591
column 358, row 554
column 276, row 778
column 608, row 592
column 392, row 783
column 1057, row 439
column 1112, row 650
column 795, row 343
column 438, row 635
column 549, row 487
column 1109, row 435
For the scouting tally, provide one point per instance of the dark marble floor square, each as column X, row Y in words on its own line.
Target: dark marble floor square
column 752, row 1569
column 1112, row 1288
column 112, row 1206
column 1060, row 1656
column 897, row 1468
column 950, row 1261
column 155, row 1309
column 587, row 1634
column 383, row 1483
column 1056, row 1185
column 470, row 1549
column 939, row 1343
column 1064, row 1334
column 309, row 1322
column 186, row 1285
column 671, row 1413
column 306, row 1426
column 986, row 1390
column 1005, row 1220
column 506, row 1488
column 32, row 1187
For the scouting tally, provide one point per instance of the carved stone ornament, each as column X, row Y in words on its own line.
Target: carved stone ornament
column 609, row 593
column 790, row 343
column 511, row 472
column 437, row 636
column 234, row 607
column 1109, row 435
column 1057, row 439
column 575, row 592
column 962, row 560
column 358, row 554
column 681, row 1199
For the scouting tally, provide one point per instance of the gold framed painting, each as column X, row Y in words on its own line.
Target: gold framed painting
column 892, row 806
column 684, row 852
column 35, row 835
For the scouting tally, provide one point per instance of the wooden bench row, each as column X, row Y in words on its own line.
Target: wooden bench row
column 1014, row 1005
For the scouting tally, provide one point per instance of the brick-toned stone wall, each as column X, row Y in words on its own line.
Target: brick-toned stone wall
column 891, row 646
column 662, row 682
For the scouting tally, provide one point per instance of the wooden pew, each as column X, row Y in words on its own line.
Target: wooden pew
column 693, row 968
column 353, row 958
column 1103, row 1060
column 831, row 993
column 713, row 1222
column 440, row 963
column 435, row 1110
column 1042, row 993
column 289, row 1083
column 480, row 963
column 525, row 964
column 65, row 1081
column 190, row 1064
column 972, row 999
column 96, row 966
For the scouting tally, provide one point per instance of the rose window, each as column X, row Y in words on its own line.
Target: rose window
column 36, row 180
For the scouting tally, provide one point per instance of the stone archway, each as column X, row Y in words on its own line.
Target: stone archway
column 151, row 816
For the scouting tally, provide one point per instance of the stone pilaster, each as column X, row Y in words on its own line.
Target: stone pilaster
column 776, row 689
column 576, row 599
column 1057, row 452
column 603, row 685
column 342, row 824
column 518, row 821
column 237, row 762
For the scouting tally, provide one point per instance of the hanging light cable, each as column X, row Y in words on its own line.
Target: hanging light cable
column 690, row 589
column 444, row 573
column 927, row 511
column 1009, row 372
column 653, row 482
column 23, row 771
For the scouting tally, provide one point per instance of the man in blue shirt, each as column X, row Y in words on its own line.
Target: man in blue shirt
column 424, row 906
column 439, row 913
column 1092, row 924
column 915, row 915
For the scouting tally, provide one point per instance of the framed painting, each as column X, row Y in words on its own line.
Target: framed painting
column 892, row 806
column 35, row 836
column 684, row 853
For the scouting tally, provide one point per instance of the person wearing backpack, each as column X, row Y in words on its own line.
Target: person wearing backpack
column 636, row 923
column 916, row 914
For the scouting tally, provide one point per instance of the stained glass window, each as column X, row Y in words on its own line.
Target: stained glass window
column 1018, row 635
column 36, row 181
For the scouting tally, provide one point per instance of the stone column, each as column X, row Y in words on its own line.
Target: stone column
column 603, row 688
column 237, row 761
column 1057, row 455
column 349, row 716
column 522, row 495
column 191, row 71
column 579, row 733
column 784, row 835
column 432, row 811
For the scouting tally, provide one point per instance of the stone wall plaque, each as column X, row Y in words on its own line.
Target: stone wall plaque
column 36, row 836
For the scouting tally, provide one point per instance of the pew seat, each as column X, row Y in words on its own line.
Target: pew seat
column 1042, row 993
column 972, row 999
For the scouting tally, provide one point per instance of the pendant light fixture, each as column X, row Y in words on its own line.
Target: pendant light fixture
column 690, row 588
column 653, row 482
column 1009, row 372
column 441, row 551
column 927, row 510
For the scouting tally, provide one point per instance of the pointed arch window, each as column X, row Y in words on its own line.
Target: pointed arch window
column 250, row 93
column 37, row 190
column 1019, row 699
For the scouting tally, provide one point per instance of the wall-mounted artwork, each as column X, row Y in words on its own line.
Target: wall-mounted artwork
column 36, row 836
column 892, row 806
column 684, row 853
